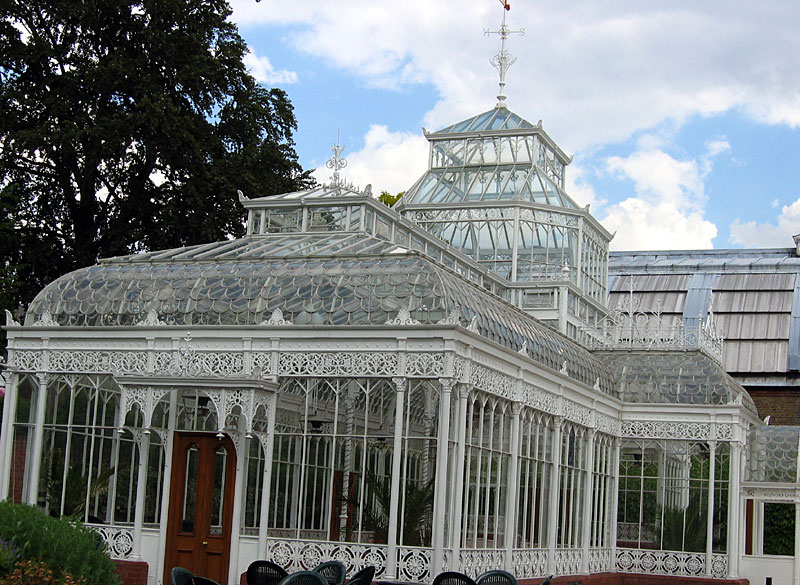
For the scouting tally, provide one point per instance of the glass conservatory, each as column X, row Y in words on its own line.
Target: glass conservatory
column 356, row 383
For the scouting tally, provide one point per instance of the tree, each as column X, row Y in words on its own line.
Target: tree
column 128, row 125
column 388, row 199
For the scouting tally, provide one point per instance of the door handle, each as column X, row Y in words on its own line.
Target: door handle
column 204, row 543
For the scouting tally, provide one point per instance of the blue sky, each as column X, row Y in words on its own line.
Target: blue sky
column 683, row 118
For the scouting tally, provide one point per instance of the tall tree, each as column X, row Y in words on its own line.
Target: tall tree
column 128, row 125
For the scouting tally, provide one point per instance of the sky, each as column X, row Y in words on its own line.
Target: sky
column 682, row 117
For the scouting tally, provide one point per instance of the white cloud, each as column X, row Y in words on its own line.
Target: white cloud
column 751, row 234
column 261, row 68
column 389, row 161
column 668, row 208
column 595, row 73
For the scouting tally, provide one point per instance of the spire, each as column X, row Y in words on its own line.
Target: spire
column 503, row 60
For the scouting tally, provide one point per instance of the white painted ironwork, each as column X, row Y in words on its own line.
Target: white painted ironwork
column 503, row 60
column 631, row 327
column 657, row 562
column 118, row 540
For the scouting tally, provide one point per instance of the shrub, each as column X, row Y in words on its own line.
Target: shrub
column 37, row 573
column 9, row 554
column 66, row 547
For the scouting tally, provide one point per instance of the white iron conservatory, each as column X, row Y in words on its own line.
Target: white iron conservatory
column 435, row 387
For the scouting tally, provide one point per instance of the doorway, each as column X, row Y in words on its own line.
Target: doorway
column 200, row 505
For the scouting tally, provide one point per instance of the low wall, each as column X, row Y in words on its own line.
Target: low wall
column 132, row 572
column 634, row 579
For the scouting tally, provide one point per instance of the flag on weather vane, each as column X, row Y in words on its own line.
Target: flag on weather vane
column 506, row 4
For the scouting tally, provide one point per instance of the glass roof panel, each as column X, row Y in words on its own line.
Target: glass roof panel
column 665, row 377
column 308, row 280
column 773, row 454
column 495, row 119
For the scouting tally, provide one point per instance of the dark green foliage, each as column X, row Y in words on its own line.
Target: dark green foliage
column 128, row 125
column 417, row 510
column 64, row 546
column 779, row 529
column 9, row 554
column 388, row 199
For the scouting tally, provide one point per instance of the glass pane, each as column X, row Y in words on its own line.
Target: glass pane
column 218, row 498
column 190, row 489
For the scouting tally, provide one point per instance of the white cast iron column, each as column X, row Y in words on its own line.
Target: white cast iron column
column 457, row 481
column 555, row 484
column 143, row 442
column 614, row 505
column 440, row 483
column 7, row 432
column 267, row 444
column 169, row 435
column 513, row 485
column 240, row 447
column 397, row 450
column 733, row 509
column 588, row 492
column 712, row 453
column 38, row 438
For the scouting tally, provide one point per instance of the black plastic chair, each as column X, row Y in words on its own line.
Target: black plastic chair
column 363, row 577
column 333, row 571
column 304, row 578
column 196, row 580
column 181, row 576
column 453, row 578
column 496, row 577
column 265, row 573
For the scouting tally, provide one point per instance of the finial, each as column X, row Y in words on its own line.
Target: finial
column 503, row 60
column 336, row 163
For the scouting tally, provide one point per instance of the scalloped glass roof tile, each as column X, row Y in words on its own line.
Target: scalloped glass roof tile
column 496, row 119
column 457, row 185
column 330, row 290
column 318, row 192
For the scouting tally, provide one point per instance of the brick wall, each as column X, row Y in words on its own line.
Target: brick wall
column 782, row 404
column 634, row 579
column 18, row 458
column 132, row 572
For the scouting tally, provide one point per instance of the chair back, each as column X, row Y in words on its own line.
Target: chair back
column 265, row 573
column 333, row 571
column 452, row 578
column 304, row 578
column 181, row 576
column 202, row 581
column 496, row 577
column 363, row 577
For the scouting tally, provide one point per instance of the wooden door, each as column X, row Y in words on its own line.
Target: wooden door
column 200, row 505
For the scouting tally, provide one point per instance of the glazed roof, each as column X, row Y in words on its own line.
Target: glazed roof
column 674, row 377
column 494, row 119
column 316, row 279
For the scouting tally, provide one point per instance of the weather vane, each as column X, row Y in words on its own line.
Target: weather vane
column 336, row 163
column 503, row 60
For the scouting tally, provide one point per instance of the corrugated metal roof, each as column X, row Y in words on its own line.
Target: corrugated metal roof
column 755, row 356
column 766, row 282
column 752, row 325
column 666, row 302
column 752, row 302
column 652, row 282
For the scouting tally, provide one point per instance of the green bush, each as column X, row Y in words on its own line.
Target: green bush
column 65, row 546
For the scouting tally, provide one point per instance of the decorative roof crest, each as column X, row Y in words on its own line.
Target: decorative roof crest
column 336, row 163
column 503, row 60
column 276, row 319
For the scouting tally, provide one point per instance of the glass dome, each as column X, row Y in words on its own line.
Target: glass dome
column 674, row 377
column 494, row 190
column 242, row 282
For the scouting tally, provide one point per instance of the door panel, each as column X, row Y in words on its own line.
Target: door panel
column 201, row 505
